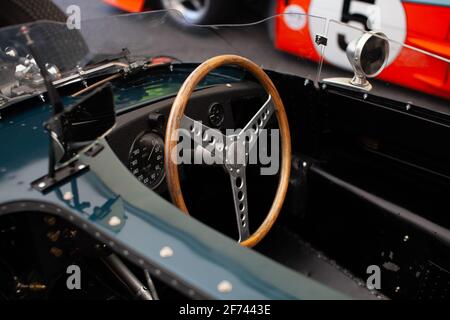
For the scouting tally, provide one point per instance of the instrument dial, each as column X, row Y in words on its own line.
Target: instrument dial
column 216, row 115
column 146, row 159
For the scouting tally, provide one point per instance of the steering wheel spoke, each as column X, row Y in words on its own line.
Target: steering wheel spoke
column 239, row 187
column 210, row 141
column 231, row 151
column 253, row 128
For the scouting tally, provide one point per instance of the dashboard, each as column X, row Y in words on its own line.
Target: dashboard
column 138, row 138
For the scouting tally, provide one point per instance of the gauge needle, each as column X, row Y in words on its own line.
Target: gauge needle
column 148, row 159
column 151, row 152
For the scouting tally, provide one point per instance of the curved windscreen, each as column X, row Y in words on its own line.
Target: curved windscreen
column 158, row 34
column 151, row 35
column 293, row 43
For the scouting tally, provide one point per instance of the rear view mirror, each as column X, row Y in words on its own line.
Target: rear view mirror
column 80, row 125
column 368, row 56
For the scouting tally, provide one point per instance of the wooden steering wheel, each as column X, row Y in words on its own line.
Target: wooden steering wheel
column 247, row 137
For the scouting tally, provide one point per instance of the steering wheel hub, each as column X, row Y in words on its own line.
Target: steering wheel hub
column 236, row 154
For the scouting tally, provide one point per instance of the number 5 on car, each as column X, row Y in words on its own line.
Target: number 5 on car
column 423, row 24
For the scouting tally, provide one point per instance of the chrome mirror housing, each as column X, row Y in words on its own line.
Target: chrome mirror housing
column 368, row 56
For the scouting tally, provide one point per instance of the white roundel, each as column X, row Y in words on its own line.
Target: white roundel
column 295, row 17
column 387, row 16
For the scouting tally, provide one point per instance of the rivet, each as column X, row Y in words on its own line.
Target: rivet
column 405, row 238
column 166, row 252
column 305, row 164
column 42, row 185
column 114, row 221
column 365, row 96
column 225, row 286
column 81, row 167
column 68, row 196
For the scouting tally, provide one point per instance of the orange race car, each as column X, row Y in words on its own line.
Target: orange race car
column 423, row 24
column 194, row 11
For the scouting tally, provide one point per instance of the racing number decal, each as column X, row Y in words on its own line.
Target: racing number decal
column 387, row 16
column 348, row 17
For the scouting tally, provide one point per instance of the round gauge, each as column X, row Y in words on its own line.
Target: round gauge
column 146, row 159
column 216, row 114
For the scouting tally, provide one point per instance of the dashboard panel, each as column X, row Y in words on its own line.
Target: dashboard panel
column 138, row 138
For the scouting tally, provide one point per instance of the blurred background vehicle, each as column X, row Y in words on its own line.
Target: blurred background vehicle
column 196, row 11
column 423, row 24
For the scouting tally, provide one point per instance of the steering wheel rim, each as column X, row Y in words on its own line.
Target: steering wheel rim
column 177, row 114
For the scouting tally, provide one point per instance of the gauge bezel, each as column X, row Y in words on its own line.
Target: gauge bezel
column 136, row 140
column 222, row 114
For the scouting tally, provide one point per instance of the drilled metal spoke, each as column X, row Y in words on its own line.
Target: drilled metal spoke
column 239, row 187
column 254, row 127
column 211, row 141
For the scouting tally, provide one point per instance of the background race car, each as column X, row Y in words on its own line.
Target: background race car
column 422, row 24
column 193, row 11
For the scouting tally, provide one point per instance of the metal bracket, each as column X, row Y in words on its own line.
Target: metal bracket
column 347, row 83
column 321, row 40
column 62, row 175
